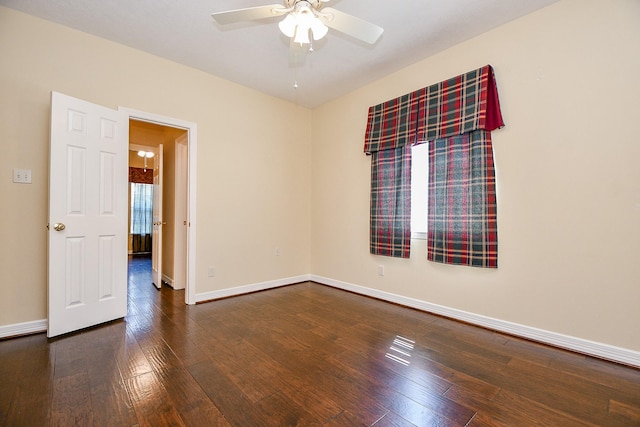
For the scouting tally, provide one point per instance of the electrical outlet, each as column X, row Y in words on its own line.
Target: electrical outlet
column 381, row 270
column 22, row 176
column 211, row 272
column 277, row 251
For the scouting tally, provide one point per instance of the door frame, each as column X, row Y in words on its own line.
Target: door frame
column 192, row 129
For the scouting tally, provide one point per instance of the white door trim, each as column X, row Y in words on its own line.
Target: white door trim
column 192, row 129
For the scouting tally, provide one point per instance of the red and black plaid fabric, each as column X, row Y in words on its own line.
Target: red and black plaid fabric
column 459, row 105
column 140, row 175
column 391, row 202
column 462, row 227
column 393, row 123
column 454, row 107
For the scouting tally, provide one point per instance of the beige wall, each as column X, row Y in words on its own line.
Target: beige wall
column 253, row 157
column 568, row 177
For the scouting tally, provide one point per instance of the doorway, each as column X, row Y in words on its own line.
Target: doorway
column 87, row 243
column 178, row 141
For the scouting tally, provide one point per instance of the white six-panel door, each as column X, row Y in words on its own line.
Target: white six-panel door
column 156, row 235
column 180, row 243
column 87, row 245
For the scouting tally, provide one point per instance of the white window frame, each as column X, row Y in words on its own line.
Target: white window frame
column 419, row 190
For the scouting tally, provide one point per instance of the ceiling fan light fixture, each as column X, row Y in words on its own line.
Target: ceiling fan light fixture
column 288, row 25
column 318, row 29
column 300, row 17
column 302, row 35
column 298, row 23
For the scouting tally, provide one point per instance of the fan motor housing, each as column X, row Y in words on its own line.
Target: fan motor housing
column 313, row 3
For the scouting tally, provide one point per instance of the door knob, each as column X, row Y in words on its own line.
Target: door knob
column 58, row 226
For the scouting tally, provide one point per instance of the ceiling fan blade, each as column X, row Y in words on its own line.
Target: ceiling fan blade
column 248, row 14
column 350, row 25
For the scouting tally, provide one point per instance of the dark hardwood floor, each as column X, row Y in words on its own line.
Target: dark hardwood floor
column 304, row 354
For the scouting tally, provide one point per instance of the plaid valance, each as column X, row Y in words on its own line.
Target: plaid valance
column 455, row 106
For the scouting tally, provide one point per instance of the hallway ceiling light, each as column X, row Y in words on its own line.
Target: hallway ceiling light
column 146, row 155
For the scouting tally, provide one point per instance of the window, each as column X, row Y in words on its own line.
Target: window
column 457, row 115
column 419, row 190
column 141, row 208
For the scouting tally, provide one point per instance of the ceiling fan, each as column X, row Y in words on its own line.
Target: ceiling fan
column 305, row 18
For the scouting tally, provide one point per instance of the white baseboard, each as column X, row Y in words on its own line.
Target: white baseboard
column 230, row 292
column 600, row 350
column 17, row 329
column 603, row 351
column 168, row 280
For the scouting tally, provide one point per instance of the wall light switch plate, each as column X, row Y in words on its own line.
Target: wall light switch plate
column 22, row 176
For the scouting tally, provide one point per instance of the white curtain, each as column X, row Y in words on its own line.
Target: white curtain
column 141, row 208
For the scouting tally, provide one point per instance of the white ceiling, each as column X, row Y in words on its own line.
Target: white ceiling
column 256, row 54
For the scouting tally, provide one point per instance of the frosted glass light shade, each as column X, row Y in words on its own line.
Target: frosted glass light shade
column 288, row 25
column 302, row 35
column 298, row 23
column 318, row 29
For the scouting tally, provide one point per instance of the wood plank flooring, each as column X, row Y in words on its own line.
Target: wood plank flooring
column 301, row 355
